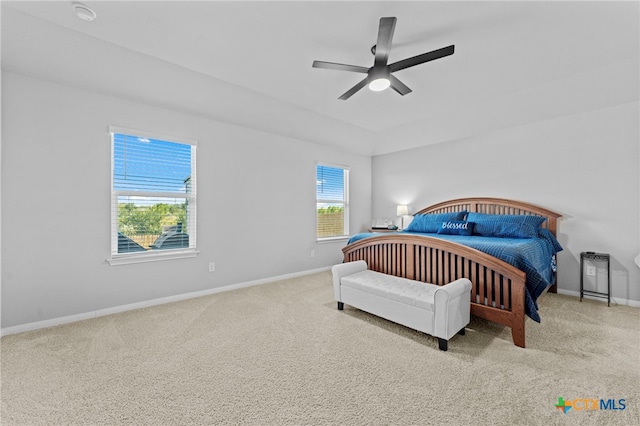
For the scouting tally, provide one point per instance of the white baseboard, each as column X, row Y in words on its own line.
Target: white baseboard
column 147, row 303
column 614, row 300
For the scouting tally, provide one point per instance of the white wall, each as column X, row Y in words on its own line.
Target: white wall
column 584, row 166
column 256, row 205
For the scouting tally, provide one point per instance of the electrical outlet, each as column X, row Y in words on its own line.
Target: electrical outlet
column 212, row 267
column 313, row 253
column 591, row 270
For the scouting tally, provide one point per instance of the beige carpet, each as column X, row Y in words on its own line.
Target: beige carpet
column 281, row 353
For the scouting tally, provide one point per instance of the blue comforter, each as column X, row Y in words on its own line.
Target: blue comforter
column 533, row 256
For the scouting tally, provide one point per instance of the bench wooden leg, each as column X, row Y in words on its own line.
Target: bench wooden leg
column 442, row 344
column 340, row 306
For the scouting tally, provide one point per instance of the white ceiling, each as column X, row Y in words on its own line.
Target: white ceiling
column 249, row 63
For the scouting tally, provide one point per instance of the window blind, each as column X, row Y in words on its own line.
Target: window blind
column 153, row 194
column 332, row 201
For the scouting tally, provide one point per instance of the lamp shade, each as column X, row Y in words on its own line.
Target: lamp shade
column 402, row 210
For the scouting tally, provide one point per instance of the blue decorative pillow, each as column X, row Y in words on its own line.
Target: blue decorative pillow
column 506, row 225
column 430, row 223
column 456, row 227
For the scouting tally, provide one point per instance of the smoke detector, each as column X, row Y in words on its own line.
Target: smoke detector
column 83, row 12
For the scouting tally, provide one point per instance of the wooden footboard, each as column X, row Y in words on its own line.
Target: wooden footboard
column 498, row 289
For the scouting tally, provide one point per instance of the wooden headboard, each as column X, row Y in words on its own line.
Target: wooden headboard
column 495, row 206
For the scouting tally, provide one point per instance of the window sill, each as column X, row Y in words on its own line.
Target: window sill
column 126, row 259
column 332, row 239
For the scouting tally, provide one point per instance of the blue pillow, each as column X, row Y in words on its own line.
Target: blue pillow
column 506, row 225
column 545, row 234
column 431, row 222
column 456, row 227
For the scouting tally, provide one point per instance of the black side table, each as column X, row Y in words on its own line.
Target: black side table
column 589, row 255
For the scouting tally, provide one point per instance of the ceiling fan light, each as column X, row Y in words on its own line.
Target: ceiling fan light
column 379, row 84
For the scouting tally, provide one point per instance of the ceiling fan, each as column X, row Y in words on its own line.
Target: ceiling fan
column 379, row 76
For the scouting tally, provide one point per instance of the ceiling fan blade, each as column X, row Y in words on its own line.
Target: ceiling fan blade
column 339, row 67
column 385, row 36
column 399, row 86
column 420, row 59
column 354, row 89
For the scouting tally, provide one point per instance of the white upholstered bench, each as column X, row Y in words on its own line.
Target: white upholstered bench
column 441, row 311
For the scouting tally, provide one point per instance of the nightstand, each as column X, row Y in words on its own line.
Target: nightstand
column 601, row 257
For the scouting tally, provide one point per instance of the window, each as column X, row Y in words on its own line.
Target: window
column 332, row 201
column 153, row 197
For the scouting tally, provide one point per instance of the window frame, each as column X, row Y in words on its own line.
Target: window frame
column 346, row 172
column 116, row 258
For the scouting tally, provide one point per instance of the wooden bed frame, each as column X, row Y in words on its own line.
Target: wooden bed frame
column 498, row 288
